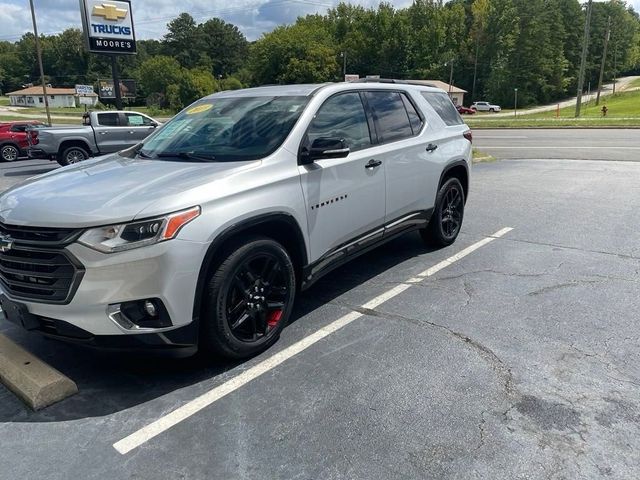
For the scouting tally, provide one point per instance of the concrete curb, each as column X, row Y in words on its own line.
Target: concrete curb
column 35, row 382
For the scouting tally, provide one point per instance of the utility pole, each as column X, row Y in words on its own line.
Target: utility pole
column 583, row 58
column 615, row 66
column 515, row 103
column 39, row 54
column 450, row 76
column 344, row 63
column 604, row 59
column 475, row 72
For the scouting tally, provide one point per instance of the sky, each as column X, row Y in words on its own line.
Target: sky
column 253, row 17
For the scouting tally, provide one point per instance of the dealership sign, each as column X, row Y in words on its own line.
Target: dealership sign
column 106, row 89
column 108, row 26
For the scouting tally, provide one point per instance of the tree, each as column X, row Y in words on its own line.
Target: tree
column 223, row 47
column 159, row 73
column 181, row 38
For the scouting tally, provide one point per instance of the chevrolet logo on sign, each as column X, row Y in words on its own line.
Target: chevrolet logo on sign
column 109, row 12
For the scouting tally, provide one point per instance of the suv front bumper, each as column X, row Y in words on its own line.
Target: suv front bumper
column 167, row 271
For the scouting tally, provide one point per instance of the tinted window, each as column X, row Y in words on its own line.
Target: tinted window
column 443, row 106
column 108, row 119
column 18, row 128
column 342, row 116
column 226, row 129
column 414, row 118
column 391, row 116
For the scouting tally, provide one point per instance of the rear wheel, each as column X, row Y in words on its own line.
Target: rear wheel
column 249, row 299
column 9, row 153
column 446, row 221
column 72, row 155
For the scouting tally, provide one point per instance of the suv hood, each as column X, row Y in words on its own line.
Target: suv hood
column 112, row 189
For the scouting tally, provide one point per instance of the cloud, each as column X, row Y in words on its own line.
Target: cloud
column 253, row 17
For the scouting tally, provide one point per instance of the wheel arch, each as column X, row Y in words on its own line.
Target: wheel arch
column 280, row 226
column 458, row 169
column 74, row 143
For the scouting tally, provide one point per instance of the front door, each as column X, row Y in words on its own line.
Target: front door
column 345, row 197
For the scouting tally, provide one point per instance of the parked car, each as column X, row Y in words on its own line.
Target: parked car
column 485, row 107
column 13, row 139
column 201, row 235
column 101, row 133
column 464, row 110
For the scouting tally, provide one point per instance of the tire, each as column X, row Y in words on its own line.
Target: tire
column 446, row 221
column 72, row 155
column 492, row 110
column 248, row 300
column 9, row 153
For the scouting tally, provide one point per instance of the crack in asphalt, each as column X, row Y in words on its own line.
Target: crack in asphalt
column 587, row 250
column 559, row 286
column 485, row 352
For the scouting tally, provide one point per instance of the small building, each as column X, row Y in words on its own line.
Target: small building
column 58, row 97
column 456, row 93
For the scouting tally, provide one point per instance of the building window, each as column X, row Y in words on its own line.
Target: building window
column 51, row 97
column 40, row 99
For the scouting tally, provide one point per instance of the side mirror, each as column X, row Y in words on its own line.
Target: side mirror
column 324, row 147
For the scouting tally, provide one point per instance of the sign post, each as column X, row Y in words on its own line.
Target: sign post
column 108, row 29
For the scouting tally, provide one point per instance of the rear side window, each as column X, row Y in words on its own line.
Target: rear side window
column 444, row 107
column 414, row 117
column 108, row 119
column 342, row 116
column 390, row 114
column 18, row 128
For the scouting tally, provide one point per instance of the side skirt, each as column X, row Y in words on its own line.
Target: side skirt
column 362, row 244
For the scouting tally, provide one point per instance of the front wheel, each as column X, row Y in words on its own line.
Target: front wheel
column 248, row 300
column 72, row 155
column 492, row 110
column 446, row 221
column 9, row 153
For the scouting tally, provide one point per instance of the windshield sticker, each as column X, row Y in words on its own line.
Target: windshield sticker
column 199, row 108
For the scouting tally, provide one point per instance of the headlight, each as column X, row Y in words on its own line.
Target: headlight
column 115, row 238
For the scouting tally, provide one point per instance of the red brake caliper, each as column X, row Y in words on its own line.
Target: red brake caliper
column 273, row 318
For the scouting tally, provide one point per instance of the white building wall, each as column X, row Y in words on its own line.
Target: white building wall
column 55, row 101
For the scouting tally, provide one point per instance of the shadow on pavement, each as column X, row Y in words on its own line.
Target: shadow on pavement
column 110, row 382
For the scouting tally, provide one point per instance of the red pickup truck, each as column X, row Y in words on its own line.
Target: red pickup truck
column 13, row 139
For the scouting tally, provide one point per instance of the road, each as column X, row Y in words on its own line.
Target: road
column 577, row 144
column 519, row 360
column 623, row 84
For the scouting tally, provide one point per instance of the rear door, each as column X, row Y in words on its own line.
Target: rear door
column 409, row 166
column 110, row 135
column 345, row 197
column 18, row 135
column 138, row 127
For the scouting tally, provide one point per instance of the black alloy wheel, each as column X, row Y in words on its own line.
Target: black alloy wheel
column 446, row 220
column 250, row 298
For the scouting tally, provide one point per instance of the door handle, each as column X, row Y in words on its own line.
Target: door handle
column 431, row 147
column 131, row 132
column 103, row 133
column 371, row 164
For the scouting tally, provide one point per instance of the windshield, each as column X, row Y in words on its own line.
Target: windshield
column 226, row 129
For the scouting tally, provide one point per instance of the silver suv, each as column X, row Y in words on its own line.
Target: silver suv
column 201, row 235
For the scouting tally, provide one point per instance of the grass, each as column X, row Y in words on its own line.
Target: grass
column 4, row 101
column 70, row 121
column 479, row 156
column 623, row 111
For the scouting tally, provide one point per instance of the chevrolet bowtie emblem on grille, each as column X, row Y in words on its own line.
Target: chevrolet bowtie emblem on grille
column 109, row 12
column 6, row 243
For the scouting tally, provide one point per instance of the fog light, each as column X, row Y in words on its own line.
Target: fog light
column 150, row 308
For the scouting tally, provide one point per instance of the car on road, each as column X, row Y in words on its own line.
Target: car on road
column 13, row 139
column 201, row 235
column 101, row 133
column 464, row 110
column 485, row 107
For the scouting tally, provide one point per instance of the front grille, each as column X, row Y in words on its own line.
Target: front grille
column 41, row 236
column 49, row 276
column 36, row 267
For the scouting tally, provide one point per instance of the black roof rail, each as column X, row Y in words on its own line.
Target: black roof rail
column 394, row 80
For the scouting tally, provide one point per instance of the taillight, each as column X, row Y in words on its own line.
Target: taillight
column 33, row 137
column 468, row 135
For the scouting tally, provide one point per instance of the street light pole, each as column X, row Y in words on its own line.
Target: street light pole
column 450, row 76
column 515, row 103
column 583, row 59
column 344, row 63
column 39, row 55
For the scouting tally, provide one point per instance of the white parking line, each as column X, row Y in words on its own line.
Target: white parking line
column 164, row 423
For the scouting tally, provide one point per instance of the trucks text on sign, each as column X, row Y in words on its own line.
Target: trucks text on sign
column 108, row 26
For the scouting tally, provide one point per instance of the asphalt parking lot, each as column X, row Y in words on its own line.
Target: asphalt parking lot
column 518, row 360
